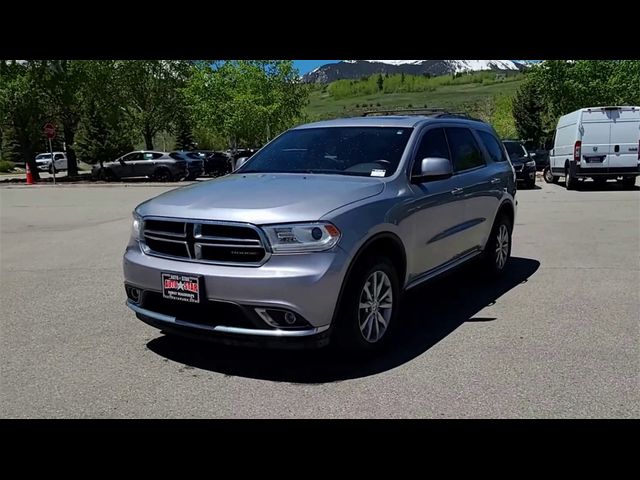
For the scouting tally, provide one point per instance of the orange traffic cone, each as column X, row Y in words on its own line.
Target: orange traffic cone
column 29, row 176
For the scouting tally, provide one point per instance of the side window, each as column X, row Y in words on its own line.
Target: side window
column 433, row 144
column 58, row 156
column 154, row 156
column 495, row 149
column 147, row 156
column 132, row 157
column 464, row 149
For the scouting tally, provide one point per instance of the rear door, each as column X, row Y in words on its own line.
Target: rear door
column 595, row 130
column 624, row 138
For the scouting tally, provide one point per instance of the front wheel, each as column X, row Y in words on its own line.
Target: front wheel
column 162, row 175
column 628, row 182
column 369, row 306
column 498, row 249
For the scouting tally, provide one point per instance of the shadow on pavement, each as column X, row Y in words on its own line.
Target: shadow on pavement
column 429, row 314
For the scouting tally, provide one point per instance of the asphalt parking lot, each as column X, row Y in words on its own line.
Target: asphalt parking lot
column 558, row 336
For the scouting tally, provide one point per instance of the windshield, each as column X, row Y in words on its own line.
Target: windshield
column 364, row 151
column 515, row 150
column 44, row 156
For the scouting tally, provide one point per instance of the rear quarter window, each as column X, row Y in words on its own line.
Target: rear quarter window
column 493, row 146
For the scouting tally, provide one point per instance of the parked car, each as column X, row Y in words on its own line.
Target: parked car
column 523, row 164
column 602, row 143
column 158, row 166
column 541, row 157
column 195, row 164
column 241, row 156
column 43, row 161
column 315, row 238
column 215, row 163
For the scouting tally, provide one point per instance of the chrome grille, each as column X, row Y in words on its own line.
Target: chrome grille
column 207, row 242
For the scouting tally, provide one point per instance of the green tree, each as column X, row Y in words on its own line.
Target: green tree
column 528, row 110
column 184, row 132
column 246, row 101
column 21, row 114
column 380, row 83
column 150, row 93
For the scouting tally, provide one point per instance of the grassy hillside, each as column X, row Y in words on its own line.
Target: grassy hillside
column 458, row 97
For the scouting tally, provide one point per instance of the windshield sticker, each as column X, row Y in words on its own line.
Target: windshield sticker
column 378, row 173
column 399, row 132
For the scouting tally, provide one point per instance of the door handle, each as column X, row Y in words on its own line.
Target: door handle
column 495, row 181
column 616, row 149
column 457, row 191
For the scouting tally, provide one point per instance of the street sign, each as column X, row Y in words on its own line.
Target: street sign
column 50, row 130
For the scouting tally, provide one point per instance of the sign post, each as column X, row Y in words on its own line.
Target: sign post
column 50, row 132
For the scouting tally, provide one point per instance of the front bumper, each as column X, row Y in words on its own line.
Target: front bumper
column 305, row 284
column 524, row 173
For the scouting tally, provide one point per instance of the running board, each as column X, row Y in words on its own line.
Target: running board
column 443, row 268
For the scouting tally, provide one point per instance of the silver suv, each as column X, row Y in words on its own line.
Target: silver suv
column 316, row 237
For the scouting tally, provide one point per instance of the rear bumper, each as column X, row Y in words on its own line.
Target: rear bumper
column 579, row 171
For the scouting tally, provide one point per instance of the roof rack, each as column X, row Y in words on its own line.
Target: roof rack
column 432, row 112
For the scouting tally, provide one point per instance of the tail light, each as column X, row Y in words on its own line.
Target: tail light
column 577, row 149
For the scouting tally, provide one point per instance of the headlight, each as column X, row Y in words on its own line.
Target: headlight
column 135, row 226
column 530, row 163
column 302, row 237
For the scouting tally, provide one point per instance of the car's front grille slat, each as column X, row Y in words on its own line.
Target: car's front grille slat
column 210, row 242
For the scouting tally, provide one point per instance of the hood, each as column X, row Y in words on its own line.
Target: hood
column 263, row 198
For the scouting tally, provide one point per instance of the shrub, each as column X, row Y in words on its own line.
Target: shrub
column 6, row 166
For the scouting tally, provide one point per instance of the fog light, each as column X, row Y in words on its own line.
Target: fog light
column 281, row 318
column 133, row 293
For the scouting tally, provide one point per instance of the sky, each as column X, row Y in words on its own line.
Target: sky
column 305, row 66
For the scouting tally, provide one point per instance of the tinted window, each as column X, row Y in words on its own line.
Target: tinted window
column 59, row 156
column 493, row 146
column 154, row 155
column 515, row 149
column 364, row 151
column 133, row 156
column 464, row 149
column 433, row 144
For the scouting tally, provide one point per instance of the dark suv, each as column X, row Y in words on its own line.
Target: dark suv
column 523, row 164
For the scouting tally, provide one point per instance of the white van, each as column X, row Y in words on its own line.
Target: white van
column 600, row 142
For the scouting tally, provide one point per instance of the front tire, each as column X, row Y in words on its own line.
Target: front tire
column 369, row 306
column 498, row 249
column 628, row 182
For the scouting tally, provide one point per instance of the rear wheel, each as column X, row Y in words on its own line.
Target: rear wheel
column 162, row 175
column 599, row 181
column 570, row 182
column 548, row 176
column 628, row 182
column 369, row 306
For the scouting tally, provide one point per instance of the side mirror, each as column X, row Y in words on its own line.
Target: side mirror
column 241, row 161
column 433, row 168
column 122, row 162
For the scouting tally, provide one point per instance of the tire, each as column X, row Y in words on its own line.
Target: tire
column 570, row 182
column 162, row 175
column 108, row 176
column 628, row 182
column 496, row 253
column 548, row 176
column 599, row 181
column 368, row 328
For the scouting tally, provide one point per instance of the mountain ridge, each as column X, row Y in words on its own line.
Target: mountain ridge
column 355, row 69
